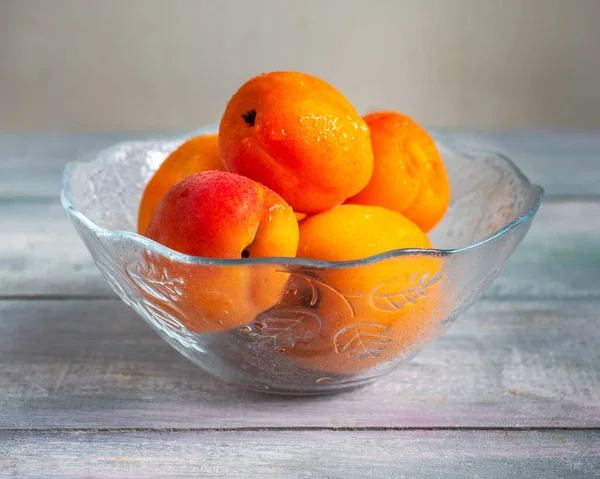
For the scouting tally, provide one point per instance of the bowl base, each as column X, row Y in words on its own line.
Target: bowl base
column 323, row 391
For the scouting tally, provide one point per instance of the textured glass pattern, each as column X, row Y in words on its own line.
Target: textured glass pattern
column 300, row 326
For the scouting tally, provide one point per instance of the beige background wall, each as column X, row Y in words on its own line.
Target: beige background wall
column 160, row 65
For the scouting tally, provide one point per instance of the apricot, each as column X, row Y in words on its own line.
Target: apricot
column 299, row 136
column 217, row 214
column 409, row 175
column 300, row 216
column 193, row 156
column 359, row 316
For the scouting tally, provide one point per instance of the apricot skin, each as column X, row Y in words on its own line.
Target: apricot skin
column 393, row 302
column 195, row 155
column 408, row 175
column 218, row 214
column 299, row 136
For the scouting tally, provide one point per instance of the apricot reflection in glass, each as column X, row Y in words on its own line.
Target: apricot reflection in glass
column 345, row 320
column 204, row 298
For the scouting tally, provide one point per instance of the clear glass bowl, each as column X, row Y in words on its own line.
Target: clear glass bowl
column 300, row 326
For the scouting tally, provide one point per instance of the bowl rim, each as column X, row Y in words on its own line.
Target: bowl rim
column 153, row 246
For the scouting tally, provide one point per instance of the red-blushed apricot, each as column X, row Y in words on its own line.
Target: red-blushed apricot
column 299, row 136
column 218, row 214
column 193, row 156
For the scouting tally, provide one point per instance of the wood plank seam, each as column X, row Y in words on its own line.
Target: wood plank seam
column 109, row 430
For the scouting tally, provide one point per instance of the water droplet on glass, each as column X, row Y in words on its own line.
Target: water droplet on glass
column 257, row 327
column 246, row 329
column 324, row 381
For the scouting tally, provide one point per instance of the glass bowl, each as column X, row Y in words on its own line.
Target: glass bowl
column 300, row 326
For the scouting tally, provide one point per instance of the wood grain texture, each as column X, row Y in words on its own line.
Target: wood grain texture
column 567, row 164
column 31, row 164
column 527, row 357
column 348, row 454
column 559, row 257
column 90, row 364
column 41, row 254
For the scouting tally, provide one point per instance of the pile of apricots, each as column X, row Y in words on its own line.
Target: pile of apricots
column 295, row 171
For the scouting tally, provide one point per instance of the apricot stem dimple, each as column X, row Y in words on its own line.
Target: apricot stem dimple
column 249, row 117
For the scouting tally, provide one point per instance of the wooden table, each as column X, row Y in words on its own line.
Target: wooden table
column 87, row 389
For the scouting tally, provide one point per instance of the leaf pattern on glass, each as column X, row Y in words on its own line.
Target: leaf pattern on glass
column 110, row 267
column 155, row 280
column 362, row 340
column 285, row 327
column 166, row 322
column 396, row 293
column 165, row 319
column 314, row 284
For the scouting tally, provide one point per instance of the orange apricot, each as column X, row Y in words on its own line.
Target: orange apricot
column 193, row 156
column 300, row 216
column 299, row 136
column 409, row 175
column 361, row 316
column 217, row 214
